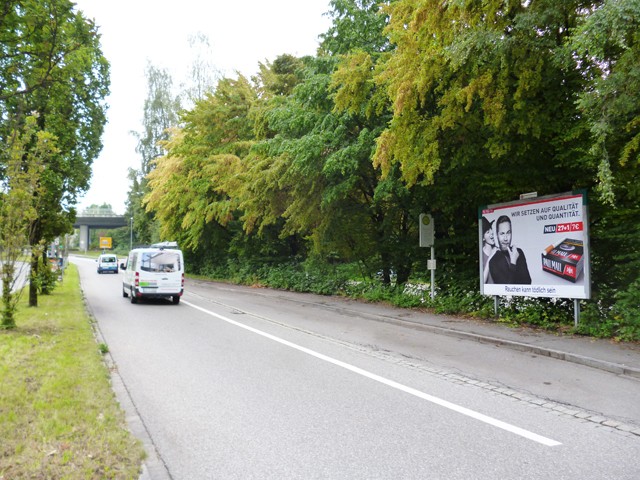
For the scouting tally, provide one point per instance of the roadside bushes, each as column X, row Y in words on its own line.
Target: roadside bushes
column 619, row 320
column 303, row 277
column 47, row 277
column 626, row 312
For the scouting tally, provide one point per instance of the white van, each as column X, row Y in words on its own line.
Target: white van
column 154, row 272
column 107, row 262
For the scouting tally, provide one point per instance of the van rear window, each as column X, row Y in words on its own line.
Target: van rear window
column 160, row 262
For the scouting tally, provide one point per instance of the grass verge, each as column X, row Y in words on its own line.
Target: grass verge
column 59, row 417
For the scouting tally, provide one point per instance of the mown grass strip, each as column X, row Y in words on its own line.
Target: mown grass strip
column 59, row 417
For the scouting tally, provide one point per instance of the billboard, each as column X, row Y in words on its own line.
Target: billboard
column 538, row 247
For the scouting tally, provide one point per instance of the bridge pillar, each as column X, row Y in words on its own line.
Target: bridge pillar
column 84, row 238
column 85, row 224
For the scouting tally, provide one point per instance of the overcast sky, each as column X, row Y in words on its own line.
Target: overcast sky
column 241, row 34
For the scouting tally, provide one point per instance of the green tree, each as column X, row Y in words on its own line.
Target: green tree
column 189, row 186
column 607, row 43
column 356, row 25
column 482, row 83
column 483, row 103
column 24, row 162
column 99, row 210
column 203, row 75
column 393, row 207
column 51, row 64
column 311, row 175
column 161, row 111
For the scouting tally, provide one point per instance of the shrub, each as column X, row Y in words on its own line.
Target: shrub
column 626, row 313
column 47, row 277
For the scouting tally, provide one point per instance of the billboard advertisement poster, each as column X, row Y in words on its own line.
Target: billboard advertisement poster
column 538, row 247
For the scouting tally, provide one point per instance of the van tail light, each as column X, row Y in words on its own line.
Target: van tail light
column 137, row 279
column 182, row 281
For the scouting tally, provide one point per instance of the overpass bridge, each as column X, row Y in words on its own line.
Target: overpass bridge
column 86, row 222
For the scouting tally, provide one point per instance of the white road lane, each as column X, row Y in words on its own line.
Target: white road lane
column 390, row 383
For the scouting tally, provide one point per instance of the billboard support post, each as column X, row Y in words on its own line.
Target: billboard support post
column 576, row 312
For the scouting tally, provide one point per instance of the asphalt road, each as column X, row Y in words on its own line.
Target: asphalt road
column 241, row 383
column 21, row 276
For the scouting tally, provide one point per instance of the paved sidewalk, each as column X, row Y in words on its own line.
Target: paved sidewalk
column 621, row 358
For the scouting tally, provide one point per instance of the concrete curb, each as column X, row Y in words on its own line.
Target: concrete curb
column 618, row 369
column 557, row 354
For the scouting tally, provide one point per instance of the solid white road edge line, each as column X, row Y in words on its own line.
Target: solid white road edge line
column 412, row 391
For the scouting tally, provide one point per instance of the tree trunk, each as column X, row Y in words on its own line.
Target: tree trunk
column 33, row 281
column 8, row 318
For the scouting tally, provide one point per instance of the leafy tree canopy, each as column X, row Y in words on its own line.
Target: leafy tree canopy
column 51, row 65
column 188, row 187
column 416, row 106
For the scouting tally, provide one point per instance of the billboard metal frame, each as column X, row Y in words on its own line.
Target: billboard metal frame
column 551, row 237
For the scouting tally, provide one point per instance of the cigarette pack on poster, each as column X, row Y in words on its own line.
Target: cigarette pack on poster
column 566, row 260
